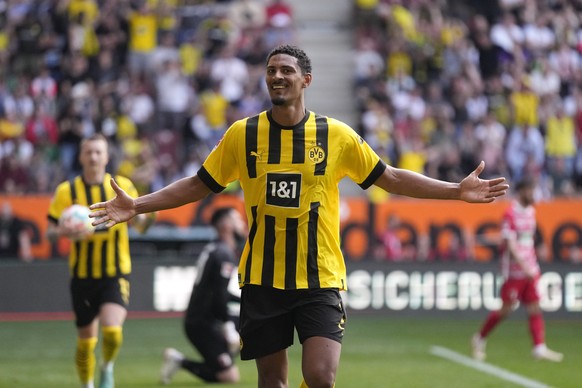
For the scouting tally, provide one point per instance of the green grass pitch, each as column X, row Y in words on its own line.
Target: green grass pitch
column 378, row 352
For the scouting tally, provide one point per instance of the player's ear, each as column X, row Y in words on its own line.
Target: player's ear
column 307, row 80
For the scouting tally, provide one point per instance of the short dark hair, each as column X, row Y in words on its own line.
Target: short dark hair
column 219, row 214
column 302, row 59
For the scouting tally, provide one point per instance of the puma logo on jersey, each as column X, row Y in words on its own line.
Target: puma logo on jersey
column 257, row 155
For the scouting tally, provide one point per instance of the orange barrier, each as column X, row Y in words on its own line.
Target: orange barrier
column 435, row 223
column 477, row 225
column 33, row 210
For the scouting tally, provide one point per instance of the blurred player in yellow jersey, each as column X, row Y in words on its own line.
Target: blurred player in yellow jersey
column 289, row 162
column 99, row 264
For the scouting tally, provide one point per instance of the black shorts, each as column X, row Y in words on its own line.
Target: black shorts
column 208, row 338
column 269, row 317
column 89, row 294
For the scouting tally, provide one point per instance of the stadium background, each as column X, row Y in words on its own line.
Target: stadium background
column 164, row 80
column 433, row 86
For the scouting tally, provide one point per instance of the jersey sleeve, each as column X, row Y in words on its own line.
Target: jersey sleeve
column 60, row 201
column 359, row 161
column 221, row 167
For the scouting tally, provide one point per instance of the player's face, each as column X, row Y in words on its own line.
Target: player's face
column 94, row 154
column 284, row 79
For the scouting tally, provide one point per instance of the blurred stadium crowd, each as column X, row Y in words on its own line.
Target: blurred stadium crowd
column 441, row 85
column 161, row 79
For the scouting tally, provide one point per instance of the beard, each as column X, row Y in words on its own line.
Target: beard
column 278, row 101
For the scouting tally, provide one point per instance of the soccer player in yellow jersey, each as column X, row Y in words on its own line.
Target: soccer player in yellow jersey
column 289, row 162
column 99, row 264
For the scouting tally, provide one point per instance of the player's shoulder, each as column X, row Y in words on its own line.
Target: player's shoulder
column 238, row 129
column 122, row 181
column 65, row 186
column 242, row 123
column 336, row 126
column 222, row 252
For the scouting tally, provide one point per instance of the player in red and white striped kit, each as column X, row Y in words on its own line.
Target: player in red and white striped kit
column 521, row 272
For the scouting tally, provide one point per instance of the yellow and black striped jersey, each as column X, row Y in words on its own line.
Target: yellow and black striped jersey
column 290, row 178
column 106, row 252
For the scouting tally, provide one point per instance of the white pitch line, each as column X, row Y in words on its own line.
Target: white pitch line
column 486, row 368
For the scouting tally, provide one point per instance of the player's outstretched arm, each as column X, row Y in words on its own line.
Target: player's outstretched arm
column 470, row 189
column 123, row 207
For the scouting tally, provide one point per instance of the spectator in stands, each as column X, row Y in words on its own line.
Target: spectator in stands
column 30, row 41
column 508, row 36
column 218, row 32
column 231, row 73
column 524, row 151
column 468, row 145
column 439, row 105
column 488, row 52
column 10, row 126
column 166, row 51
column 378, row 127
column 75, row 69
column 15, row 236
column 43, row 86
column 70, row 135
column 368, row 63
column 560, row 148
column 279, row 24
column 112, row 32
column 566, row 62
column 524, row 104
column 543, row 80
column 538, row 37
column 41, row 129
column 491, row 137
column 139, row 105
column 81, row 36
column 174, row 96
column 248, row 14
column 143, row 30
column 498, row 100
column 14, row 178
column 106, row 72
column 212, row 119
column 19, row 105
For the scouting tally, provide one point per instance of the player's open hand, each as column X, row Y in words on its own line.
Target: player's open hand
column 476, row 190
column 116, row 210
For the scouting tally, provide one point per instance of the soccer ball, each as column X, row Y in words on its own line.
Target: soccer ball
column 76, row 218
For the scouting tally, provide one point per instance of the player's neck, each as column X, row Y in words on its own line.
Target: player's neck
column 93, row 177
column 288, row 115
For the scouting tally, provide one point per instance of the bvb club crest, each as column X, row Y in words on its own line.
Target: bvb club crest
column 316, row 154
